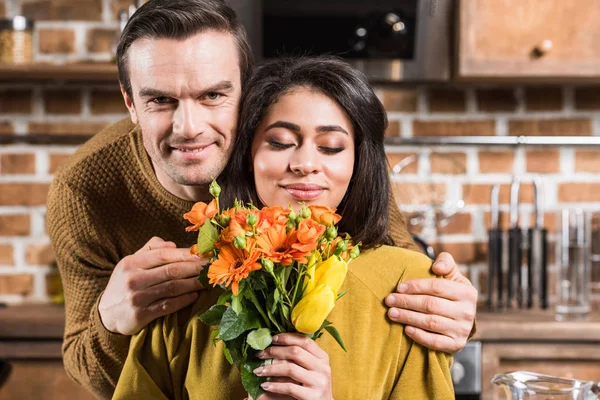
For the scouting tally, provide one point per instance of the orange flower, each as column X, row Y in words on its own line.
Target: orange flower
column 233, row 265
column 324, row 215
column 199, row 213
column 276, row 245
column 276, row 215
column 308, row 234
column 232, row 230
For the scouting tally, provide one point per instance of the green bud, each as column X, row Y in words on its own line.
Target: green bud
column 215, row 189
column 290, row 225
column 292, row 215
column 224, row 220
column 341, row 246
column 331, row 232
column 239, row 242
column 304, row 212
column 267, row 265
column 251, row 219
column 355, row 252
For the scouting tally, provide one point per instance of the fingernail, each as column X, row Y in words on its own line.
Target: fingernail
column 394, row 313
column 439, row 264
column 403, row 287
column 260, row 354
column 265, row 385
column 258, row 371
column 410, row 330
column 275, row 338
column 390, row 301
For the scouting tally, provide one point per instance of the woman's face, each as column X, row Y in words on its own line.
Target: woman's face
column 303, row 151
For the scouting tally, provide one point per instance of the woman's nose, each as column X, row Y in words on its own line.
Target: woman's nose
column 189, row 120
column 305, row 160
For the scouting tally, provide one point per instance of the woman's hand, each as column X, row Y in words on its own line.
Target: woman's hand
column 300, row 369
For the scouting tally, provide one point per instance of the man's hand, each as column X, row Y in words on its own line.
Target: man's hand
column 157, row 280
column 438, row 313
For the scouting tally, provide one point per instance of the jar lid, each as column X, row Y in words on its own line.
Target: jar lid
column 18, row 23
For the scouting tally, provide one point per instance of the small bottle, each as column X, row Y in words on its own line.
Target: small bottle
column 16, row 40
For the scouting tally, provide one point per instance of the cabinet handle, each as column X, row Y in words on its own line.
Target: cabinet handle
column 542, row 49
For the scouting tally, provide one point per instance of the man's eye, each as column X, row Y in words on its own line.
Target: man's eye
column 161, row 100
column 280, row 146
column 213, row 96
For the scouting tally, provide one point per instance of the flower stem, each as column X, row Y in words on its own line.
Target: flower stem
column 259, row 307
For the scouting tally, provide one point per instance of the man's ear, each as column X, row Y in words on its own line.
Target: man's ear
column 129, row 103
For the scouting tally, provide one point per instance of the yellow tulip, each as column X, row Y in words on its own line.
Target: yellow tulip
column 331, row 272
column 311, row 311
column 309, row 279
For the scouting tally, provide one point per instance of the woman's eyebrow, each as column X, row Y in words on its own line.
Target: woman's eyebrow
column 331, row 128
column 284, row 124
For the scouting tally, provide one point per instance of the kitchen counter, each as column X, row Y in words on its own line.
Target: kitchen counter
column 530, row 325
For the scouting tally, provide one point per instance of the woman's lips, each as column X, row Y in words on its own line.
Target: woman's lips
column 304, row 191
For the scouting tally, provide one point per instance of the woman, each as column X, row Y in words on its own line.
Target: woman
column 310, row 130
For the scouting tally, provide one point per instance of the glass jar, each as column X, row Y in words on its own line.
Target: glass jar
column 16, row 40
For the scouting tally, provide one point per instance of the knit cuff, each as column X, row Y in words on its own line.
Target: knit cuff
column 114, row 341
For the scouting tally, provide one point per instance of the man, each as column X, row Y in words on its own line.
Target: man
column 115, row 208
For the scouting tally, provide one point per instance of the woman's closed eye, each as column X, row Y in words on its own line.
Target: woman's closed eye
column 279, row 146
column 331, row 150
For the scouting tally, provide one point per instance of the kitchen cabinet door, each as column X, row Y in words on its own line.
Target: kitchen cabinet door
column 567, row 360
column 541, row 40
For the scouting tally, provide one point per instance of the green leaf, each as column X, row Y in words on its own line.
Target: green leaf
column 236, row 304
column 227, row 355
column 336, row 335
column 259, row 339
column 224, row 298
column 213, row 315
column 272, row 318
column 276, row 297
column 234, row 347
column 250, row 381
column 233, row 325
column 207, row 236
column 339, row 296
column 214, row 335
column 203, row 278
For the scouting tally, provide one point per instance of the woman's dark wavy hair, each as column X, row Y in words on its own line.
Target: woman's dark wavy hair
column 365, row 206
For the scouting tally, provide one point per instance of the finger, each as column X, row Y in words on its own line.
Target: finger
column 272, row 396
column 296, row 339
column 287, row 370
column 423, row 304
column 173, row 271
column 295, row 354
column 157, row 257
column 156, row 243
column 173, row 288
column 439, row 288
column 289, row 389
column 429, row 322
column 446, row 267
column 434, row 341
column 169, row 305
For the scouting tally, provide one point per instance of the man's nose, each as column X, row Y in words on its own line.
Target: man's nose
column 190, row 119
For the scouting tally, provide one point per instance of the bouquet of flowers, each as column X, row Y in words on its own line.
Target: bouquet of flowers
column 279, row 272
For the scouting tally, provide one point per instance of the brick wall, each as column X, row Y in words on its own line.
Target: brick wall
column 78, row 30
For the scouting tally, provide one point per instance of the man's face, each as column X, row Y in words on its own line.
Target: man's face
column 185, row 99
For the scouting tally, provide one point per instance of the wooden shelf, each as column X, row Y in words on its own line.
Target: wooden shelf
column 94, row 72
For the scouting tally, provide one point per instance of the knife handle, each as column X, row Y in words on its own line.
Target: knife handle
column 494, row 268
column 514, row 267
column 544, row 269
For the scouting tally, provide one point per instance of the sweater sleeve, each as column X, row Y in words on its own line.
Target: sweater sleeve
column 397, row 226
column 92, row 355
